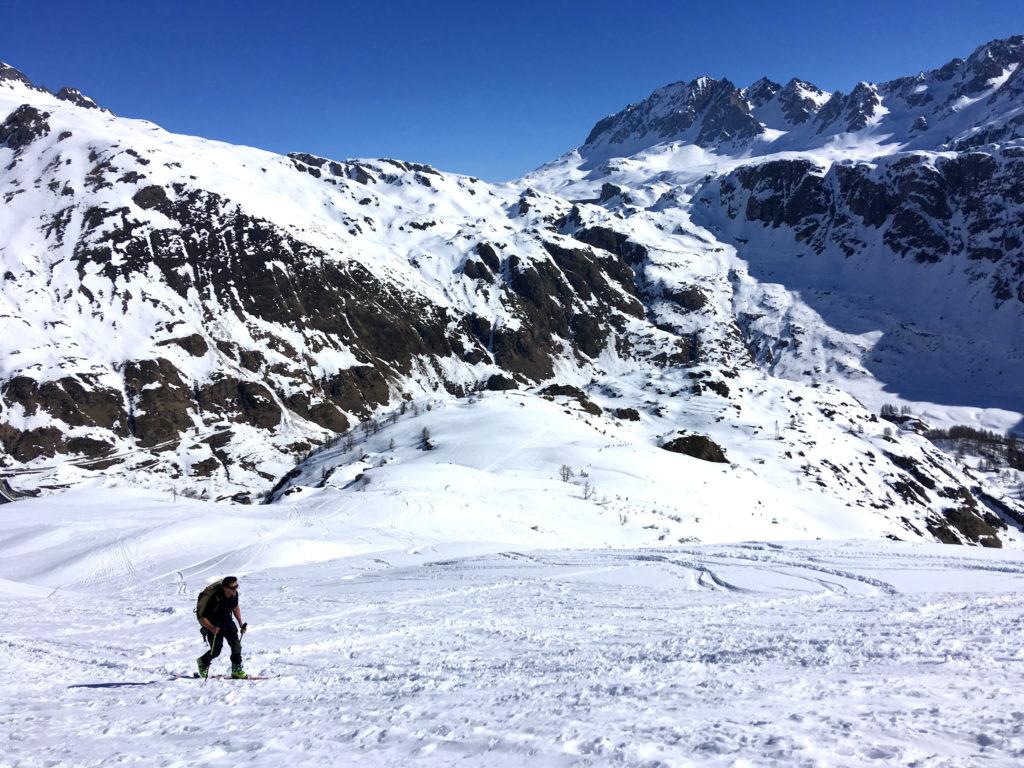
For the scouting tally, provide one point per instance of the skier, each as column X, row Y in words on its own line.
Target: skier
column 214, row 610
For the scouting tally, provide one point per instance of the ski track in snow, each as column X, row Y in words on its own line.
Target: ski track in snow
column 722, row 655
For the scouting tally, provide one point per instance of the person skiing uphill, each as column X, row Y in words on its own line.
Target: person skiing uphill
column 214, row 609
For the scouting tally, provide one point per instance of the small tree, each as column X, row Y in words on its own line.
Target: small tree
column 588, row 490
column 391, row 444
column 565, row 472
column 1015, row 453
column 425, row 443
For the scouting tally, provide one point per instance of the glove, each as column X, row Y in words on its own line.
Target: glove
column 244, row 627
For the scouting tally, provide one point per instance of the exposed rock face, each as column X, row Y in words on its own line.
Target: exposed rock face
column 575, row 393
column 11, row 75
column 77, row 98
column 784, row 107
column 844, row 114
column 499, row 383
column 698, row 446
column 160, row 401
column 74, row 401
column 800, row 101
column 927, row 209
column 552, row 296
column 761, row 92
column 23, row 126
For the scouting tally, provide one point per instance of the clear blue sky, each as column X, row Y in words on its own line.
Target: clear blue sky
column 485, row 88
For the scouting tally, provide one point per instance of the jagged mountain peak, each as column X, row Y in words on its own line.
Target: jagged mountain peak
column 796, row 87
column 788, row 105
column 76, row 97
column 10, row 75
column 1003, row 51
column 705, row 111
column 761, row 91
column 15, row 78
column 967, row 101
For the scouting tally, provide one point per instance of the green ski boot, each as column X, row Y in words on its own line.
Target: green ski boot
column 237, row 673
column 204, row 669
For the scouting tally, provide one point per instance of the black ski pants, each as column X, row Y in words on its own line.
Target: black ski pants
column 228, row 632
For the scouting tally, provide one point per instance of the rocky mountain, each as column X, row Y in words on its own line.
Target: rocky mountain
column 876, row 235
column 186, row 314
column 150, row 292
column 965, row 103
column 705, row 112
column 782, row 108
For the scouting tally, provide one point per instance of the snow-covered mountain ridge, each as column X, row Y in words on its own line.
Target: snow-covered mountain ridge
column 878, row 237
column 186, row 314
column 966, row 103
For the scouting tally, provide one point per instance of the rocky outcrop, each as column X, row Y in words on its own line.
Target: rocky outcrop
column 23, row 126
column 698, row 446
column 76, row 97
column 574, row 393
column 847, row 113
column 65, row 402
column 929, row 209
column 10, row 74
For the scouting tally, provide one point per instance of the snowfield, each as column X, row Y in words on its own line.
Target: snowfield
column 387, row 646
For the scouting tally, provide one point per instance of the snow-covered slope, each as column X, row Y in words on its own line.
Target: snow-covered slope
column 771, row 654
column 196, row 317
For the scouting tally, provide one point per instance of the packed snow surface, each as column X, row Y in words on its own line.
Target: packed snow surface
column 388, row 647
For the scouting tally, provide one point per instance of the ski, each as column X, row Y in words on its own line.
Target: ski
column 195, row 676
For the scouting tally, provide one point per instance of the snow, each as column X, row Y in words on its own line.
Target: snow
column 405, row 650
